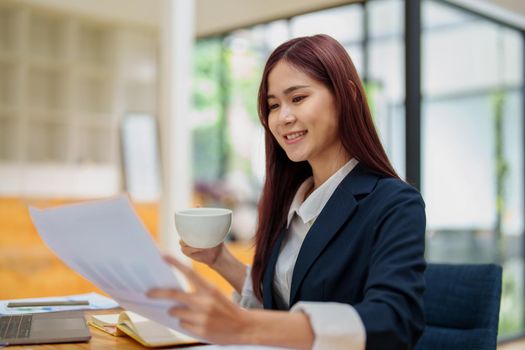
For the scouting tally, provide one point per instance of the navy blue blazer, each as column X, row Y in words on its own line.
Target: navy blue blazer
column 366, row 248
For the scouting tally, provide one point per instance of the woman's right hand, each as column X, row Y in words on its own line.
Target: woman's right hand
column 208, row 256
column 221, row 260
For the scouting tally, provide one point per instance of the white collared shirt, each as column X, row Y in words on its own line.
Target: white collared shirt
column 335, row 325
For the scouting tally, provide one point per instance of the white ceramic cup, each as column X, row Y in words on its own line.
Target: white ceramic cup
column 203, row 227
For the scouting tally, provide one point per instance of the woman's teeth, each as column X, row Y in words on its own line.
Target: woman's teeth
column 295, row 135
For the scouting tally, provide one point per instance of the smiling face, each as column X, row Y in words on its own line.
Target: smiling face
column 303, row 117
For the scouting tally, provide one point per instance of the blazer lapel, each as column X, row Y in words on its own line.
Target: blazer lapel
column 267, row 289
column 336, row 211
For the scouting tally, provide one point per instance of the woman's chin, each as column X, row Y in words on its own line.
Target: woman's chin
column 296, row 158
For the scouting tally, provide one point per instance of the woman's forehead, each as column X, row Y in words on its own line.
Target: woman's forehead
column 284, row 75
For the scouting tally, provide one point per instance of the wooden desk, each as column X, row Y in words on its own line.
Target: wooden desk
column 99, row 340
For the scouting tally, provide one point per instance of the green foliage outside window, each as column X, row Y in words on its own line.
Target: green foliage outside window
column 209, row 143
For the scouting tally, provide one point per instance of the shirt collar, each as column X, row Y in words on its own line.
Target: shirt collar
column 309, row 209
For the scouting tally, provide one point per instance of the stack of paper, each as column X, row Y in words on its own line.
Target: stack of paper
column 106, row 243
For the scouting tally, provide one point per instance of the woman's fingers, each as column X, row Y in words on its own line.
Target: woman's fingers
column 193, row 328
column 166, row 293
column 186, row 315
column 183, row 244
column 187, row 248
column 203, row 289
column 191, row 301
column 189, row 320
column 189, row 273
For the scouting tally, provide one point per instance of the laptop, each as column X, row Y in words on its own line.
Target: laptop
column 43, row 328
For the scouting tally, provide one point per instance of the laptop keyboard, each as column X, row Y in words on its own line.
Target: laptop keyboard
column 12, row 327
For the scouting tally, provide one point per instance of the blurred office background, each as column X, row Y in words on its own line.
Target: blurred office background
column 157, row 98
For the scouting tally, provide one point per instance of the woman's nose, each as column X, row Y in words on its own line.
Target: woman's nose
column 287, row 115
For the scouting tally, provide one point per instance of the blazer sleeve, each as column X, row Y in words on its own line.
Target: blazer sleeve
column 392, row 308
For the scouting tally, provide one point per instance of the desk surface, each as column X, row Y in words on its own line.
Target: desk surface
column 99, row 340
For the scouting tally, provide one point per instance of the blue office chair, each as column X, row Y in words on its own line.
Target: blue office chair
column 461, row 307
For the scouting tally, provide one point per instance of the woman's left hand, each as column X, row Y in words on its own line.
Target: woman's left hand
column 205, row 312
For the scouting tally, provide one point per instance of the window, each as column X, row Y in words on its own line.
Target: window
column 472, row 154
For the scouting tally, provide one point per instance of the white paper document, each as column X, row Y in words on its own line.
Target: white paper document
column 96, row 302
column 106, row 243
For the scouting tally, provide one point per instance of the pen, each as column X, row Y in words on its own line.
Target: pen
column 47, row 303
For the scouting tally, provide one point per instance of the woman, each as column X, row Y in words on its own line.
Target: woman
column 340, row 238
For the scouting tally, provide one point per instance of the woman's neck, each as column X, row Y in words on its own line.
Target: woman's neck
column 324, row 169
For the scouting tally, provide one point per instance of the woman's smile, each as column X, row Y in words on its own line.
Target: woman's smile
column 294, row 136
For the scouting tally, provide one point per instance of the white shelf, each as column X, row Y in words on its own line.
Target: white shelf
column 94, row 71
column 97, row 120
column 65, row 82
column 142, row 97
column 94, row 45
column 9, row 129
column 47, row 115
column 6, row 83
column 9, row 57
column 47, row 64
column 47, row 142
column 46, row 36
column 95, row 146
column 7, row 30
column 46, row 88
column 8, row 111
column 94, row 95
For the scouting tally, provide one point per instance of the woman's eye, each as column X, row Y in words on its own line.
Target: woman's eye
column 298, row 98
column 273, row 106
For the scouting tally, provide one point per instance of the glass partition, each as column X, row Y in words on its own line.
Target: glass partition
column 472, row 147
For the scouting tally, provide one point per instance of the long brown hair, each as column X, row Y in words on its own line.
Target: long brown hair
column 322, row 58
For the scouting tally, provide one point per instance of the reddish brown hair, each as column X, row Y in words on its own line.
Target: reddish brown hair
column 322, row 58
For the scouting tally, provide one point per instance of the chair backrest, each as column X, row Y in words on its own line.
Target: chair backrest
column 461, row 307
